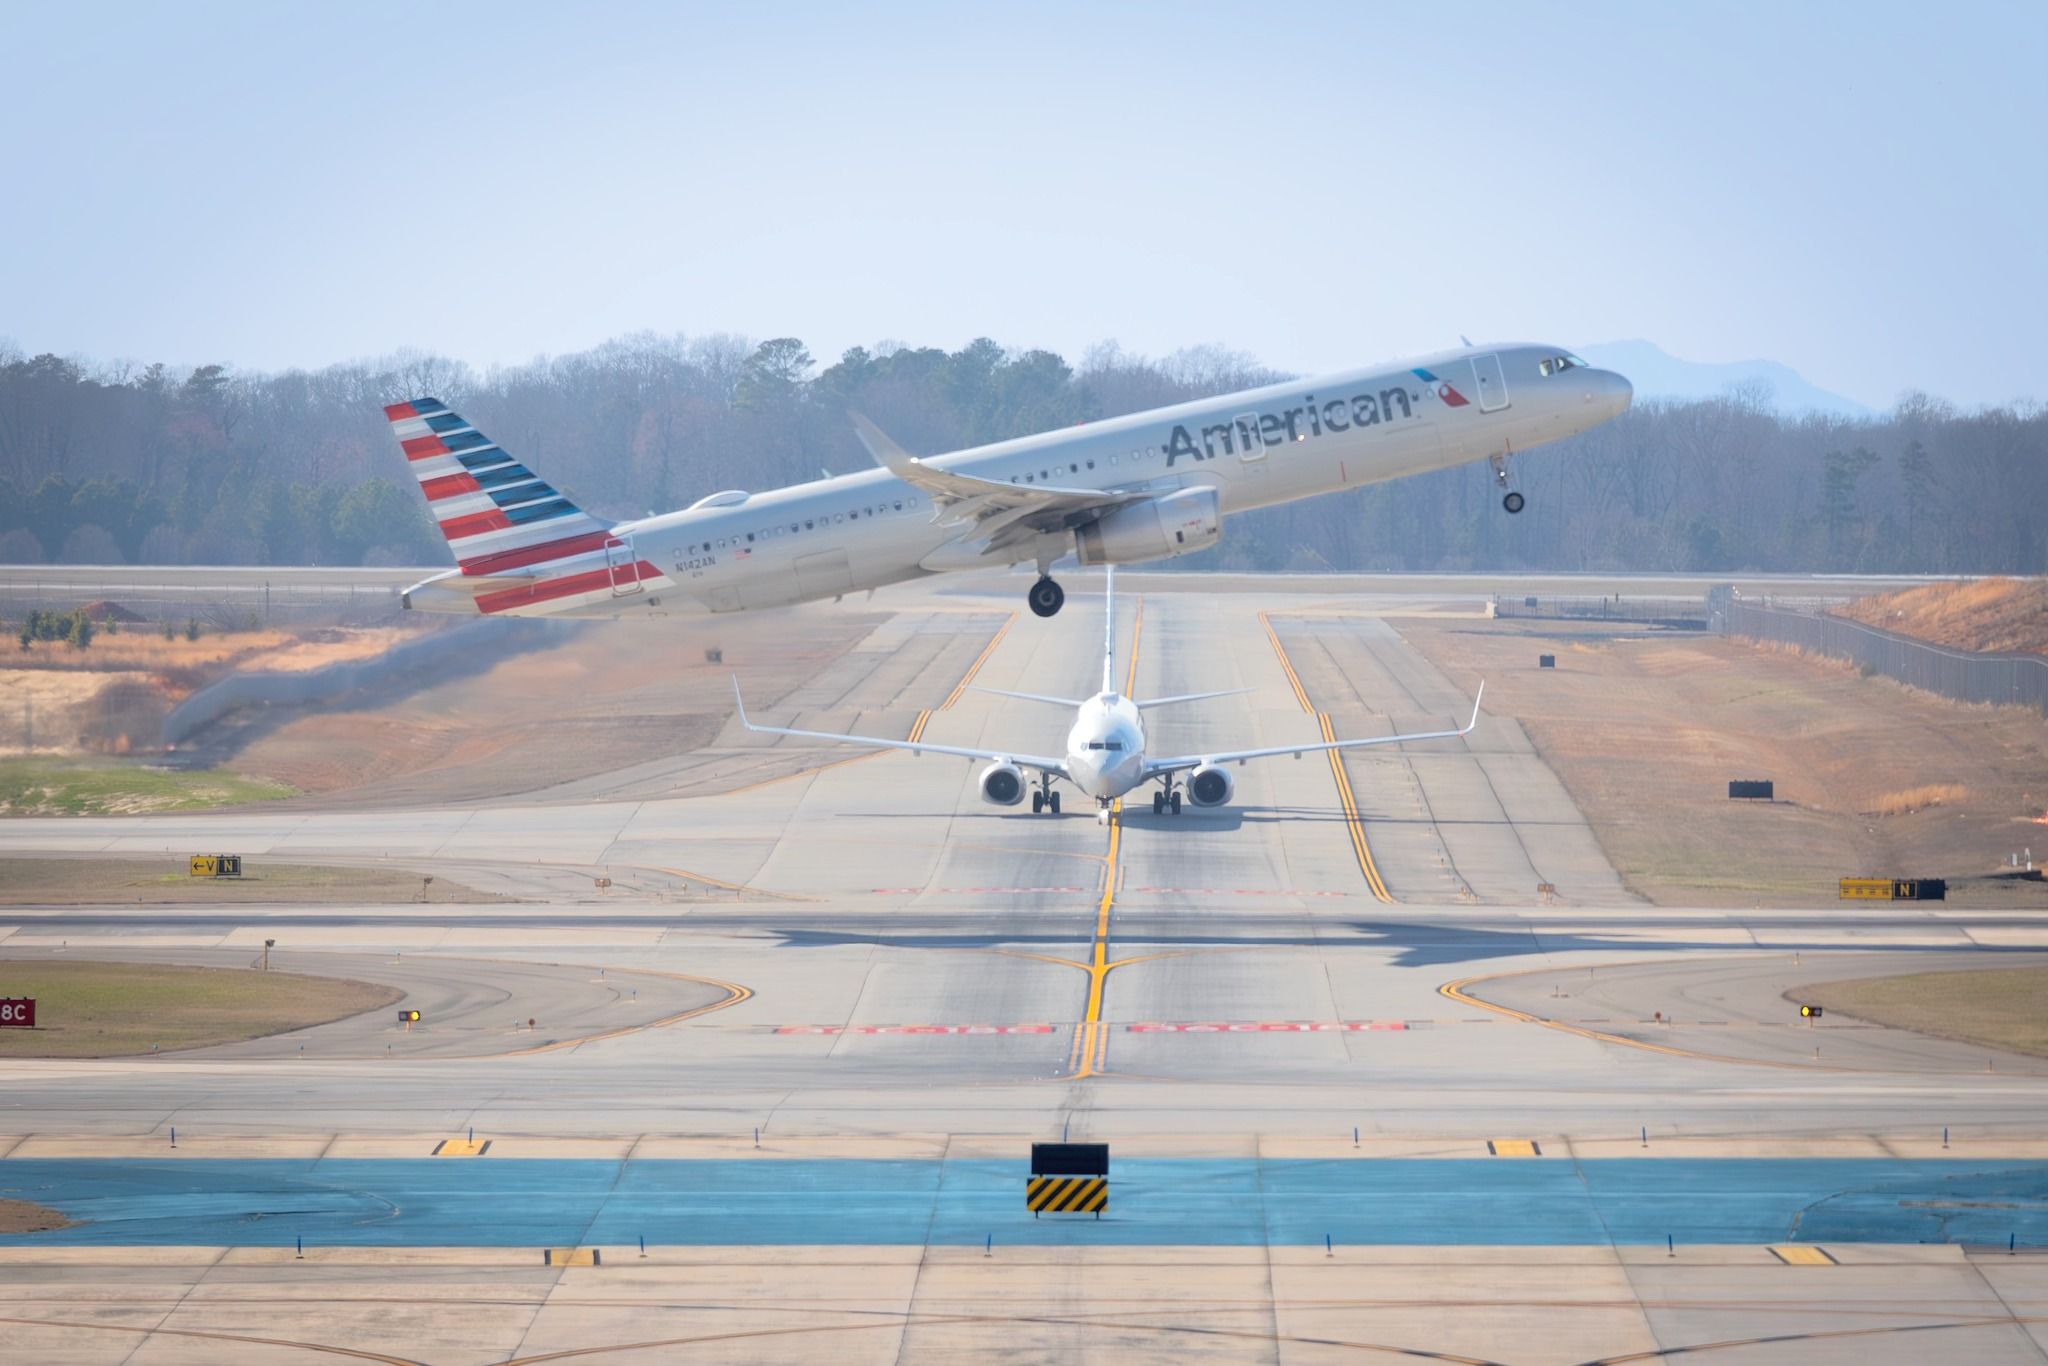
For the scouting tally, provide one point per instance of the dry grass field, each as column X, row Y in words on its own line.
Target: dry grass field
column 1873, row 778
column 168, row 881
column 1990, row 614
column 100, row 1010
column 611, row 695
column 2002, row 1007
column 24, row 1216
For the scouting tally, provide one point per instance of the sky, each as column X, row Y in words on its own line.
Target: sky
column 1853, row 189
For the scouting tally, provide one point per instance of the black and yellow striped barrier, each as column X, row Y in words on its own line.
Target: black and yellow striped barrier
column 1067, row 1195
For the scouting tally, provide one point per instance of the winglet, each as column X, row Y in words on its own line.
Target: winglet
column 881, row 446
column 1471, row 725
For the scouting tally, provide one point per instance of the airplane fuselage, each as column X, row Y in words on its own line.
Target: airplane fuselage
column 1256, row 448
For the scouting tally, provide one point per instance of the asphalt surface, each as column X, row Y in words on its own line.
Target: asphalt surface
column 869, row 965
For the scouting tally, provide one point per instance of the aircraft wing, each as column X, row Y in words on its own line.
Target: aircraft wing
column 1032, row 761
column 1155, row 767
column 1005, row 513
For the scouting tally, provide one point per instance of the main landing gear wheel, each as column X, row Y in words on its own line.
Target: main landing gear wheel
column 1173, row 803
column 1037, row 802
column 1514, row 502
column 1053, row 800
column 1159, row 803
column 1046, row 597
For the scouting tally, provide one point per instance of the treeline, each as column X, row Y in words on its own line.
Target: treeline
column 115, row 465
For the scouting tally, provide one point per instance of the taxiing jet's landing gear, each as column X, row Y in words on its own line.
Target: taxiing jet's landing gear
column 1045, row 799
column 1046, row 597
column 1102, row 811
column 1513, row 501
column 1166, row 800
column 1173, row 803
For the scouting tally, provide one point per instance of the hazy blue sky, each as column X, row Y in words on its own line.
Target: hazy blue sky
column 1857, row 190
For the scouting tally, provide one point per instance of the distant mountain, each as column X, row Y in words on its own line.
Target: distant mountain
column 1657, row 374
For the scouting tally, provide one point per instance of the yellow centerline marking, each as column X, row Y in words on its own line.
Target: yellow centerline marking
column 980, row 660
column 1091, row 1041
column 1354, row 824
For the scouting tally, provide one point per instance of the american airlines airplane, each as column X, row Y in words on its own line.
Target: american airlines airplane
column 1127, row 490
column 1105, row 755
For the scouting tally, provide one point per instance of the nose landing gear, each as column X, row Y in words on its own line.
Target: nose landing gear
column 1513, row 500
column 1046, row 597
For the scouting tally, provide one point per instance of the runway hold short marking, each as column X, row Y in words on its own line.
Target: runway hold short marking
column 1514, row 1147
column 1265, row 1026
column 917, row 1029
column 1803, row 1254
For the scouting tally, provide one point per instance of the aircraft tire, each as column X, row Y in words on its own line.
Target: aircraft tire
column 1514, row 502
column 1046, row 598
column 1159, row 803
column 1037, row 802
column 1174, row 802
column 1053, row 801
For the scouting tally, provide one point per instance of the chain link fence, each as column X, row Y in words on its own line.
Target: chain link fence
column 2005, row 679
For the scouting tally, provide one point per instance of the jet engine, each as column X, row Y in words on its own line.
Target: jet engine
column 1210, row 785
column 1156, row 529
column 1002, row 784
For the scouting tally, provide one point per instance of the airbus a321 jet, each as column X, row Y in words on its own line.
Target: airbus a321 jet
column 1128, row 490
column 1105, row 755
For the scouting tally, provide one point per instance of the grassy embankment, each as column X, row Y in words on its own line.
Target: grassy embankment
column 157, row 880
column 65, row 787
column 98, row 1010
column 2001, row 1007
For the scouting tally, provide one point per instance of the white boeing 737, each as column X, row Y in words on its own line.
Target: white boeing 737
column 1105, row 755
column 1127, row 490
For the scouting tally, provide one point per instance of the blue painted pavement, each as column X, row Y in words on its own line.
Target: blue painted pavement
column 508, row 1202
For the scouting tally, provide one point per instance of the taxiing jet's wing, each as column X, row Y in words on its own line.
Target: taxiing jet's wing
column 1033, row 761
column 1155, row 767
column 1005, row 513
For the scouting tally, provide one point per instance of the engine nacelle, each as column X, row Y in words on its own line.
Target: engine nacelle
column 1156, row 529
column 1210, row 785
column 1002, row 784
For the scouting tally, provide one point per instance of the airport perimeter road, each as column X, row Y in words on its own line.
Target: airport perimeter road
column 922, row 963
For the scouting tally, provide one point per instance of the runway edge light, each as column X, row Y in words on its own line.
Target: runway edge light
column 1810, row 1012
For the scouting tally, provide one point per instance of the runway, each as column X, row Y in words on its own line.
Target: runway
column 932, row 983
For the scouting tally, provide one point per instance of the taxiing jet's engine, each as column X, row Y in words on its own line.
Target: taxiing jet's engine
column 1210, row 785
column 1156, row 529
column 1002, row 784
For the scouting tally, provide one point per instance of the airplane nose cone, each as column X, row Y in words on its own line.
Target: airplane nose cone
column 1624, row 392
column 1608, row 393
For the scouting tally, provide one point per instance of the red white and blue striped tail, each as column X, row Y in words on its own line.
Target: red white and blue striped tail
column 498, row 515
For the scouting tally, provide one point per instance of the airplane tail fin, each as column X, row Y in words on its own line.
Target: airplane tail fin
column 496, row 514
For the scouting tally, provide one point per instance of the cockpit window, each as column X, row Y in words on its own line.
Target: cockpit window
column 1557, row 365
